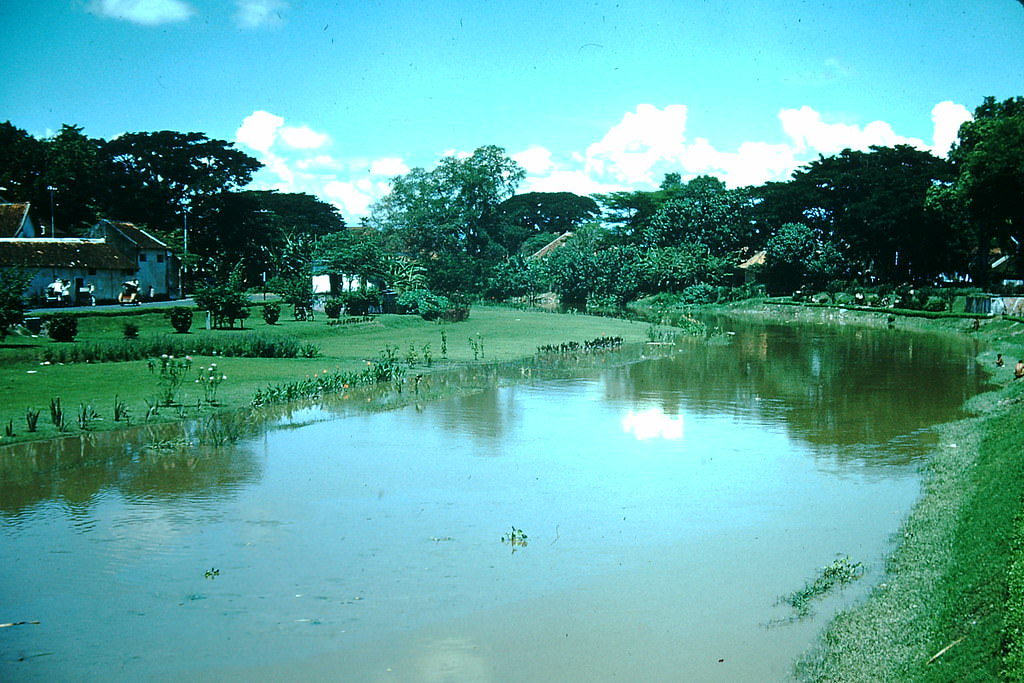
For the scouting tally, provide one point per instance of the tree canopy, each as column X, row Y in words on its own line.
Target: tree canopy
column 449, row 215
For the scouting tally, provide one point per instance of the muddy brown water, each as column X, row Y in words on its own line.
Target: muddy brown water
column 667, row 504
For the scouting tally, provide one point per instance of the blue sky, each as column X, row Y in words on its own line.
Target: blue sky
column 336, row 97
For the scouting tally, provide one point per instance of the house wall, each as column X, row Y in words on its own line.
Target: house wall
column 106, row 283
column 159, row 270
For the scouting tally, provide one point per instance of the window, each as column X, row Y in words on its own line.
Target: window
column 159, row 258
column 142, row 257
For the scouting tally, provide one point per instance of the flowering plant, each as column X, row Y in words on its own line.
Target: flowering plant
column 211, row 378
column 170, row 373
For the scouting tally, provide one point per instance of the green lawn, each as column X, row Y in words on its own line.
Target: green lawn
column 499, row 334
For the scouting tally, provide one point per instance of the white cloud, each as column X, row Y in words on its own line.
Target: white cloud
column 947, row 117
column 632, row 147
column 389, row 166
column 634, row 154
column 259, row 131
column 578, row 182
column 259, row 13
column 809, row 132
column 535, row 159
column 294, row 161
column 144, row 12
column 303, row 137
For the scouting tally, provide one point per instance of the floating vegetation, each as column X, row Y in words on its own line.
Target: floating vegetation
column 840, row 572
column 515, row 538
column 168, row 445
column 599, row 344
column 212, row 573
column 221, row 429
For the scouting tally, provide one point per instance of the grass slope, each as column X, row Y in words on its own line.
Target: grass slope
column 499, row 335
column 951, row 606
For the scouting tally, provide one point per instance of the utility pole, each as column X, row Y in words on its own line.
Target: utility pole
column 52, row 189
column 184, row 265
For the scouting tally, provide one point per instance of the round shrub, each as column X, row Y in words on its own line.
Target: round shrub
column 361, row 302
column 332, row 308
column 700, row 293
column 181, row 318
column 271, row 312
column 423, row 302
column 62, row 327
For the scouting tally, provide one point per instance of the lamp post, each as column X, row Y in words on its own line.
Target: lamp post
column 184, row 265
column 52, row 189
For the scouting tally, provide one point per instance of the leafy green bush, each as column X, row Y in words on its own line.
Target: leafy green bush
column 424, row 303
column 456, row 314
column 131, row 331
column 332, row 308
column 180, row 317
column 271, row 312
column 361, row 302
column 62, row 327
column 227, row 301
column 248, row 346
column 700, row 293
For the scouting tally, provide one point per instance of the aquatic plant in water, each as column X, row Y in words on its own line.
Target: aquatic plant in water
column 840, row 572
column 515, row 538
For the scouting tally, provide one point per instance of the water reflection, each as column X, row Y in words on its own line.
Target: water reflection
column 653, row 423
column 373, row 541
column 79, row 470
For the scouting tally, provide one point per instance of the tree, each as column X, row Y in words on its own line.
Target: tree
column 299, row 213
column 797, row 255
column 155, row 177
column 225, row 301
column 73, row 170
column 702, row 211
column 534, row 213
column 989, row 161
column 21, row 174
column 351, row 252
column 872, row 204
column 13, row 283
column 448, row 217
column 627, row 213
column 227, row 228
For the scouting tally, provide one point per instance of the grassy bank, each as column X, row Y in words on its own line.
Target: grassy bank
column 28, row 383
column 951, row 604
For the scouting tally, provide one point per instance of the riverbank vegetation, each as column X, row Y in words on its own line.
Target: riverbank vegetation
column 120, row 381
column 950, row 606
column 888, row 235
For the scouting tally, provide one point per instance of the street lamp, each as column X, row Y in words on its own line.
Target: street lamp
column 52, row 189
column 184, row 265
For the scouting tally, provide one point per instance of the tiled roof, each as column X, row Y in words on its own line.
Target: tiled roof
column 551, row 246
column 757, row 259
column 11, row 218
column 142, row 239
column 63, row 253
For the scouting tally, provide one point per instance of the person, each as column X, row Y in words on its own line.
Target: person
column 1018, row 371
column 999, row 360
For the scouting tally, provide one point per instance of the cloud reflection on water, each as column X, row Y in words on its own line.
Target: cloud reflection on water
column 653, row 423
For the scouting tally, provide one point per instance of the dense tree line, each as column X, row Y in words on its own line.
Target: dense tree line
column 888, row 215
column 171, row 184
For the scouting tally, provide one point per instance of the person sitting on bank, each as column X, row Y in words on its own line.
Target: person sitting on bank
column 999, row 360
column 1018, row 371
